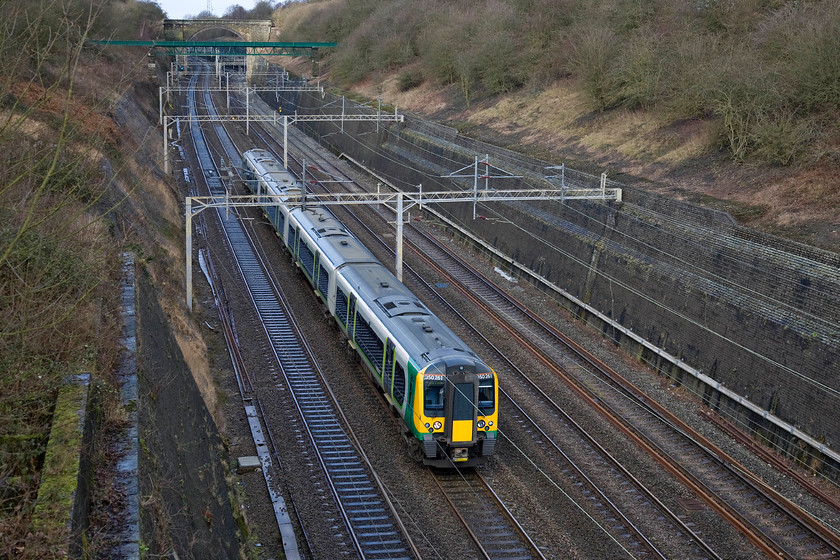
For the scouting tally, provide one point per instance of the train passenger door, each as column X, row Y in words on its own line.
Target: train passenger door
column 351, row 319
column 295, row 239
column 388, row 378
column 461, row 398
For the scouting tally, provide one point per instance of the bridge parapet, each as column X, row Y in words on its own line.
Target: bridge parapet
column 186, row 29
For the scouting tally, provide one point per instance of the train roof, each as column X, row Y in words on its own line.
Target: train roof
column 423, row 335
column 273, row 171
column 337, row 244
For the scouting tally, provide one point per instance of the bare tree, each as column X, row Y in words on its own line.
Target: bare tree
column 56, row 250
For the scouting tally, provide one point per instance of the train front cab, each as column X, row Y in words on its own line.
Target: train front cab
column 456, row 412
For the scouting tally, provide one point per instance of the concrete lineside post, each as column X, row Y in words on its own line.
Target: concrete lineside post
column 398, row 265
column 227, row 88
column 165, row 146
column 563, row 177
column 247, row 111
column 285, row 142
column 475, row 185
column 160, row 104
column 188, row 251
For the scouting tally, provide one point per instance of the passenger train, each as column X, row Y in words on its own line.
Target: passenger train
column 446, row 396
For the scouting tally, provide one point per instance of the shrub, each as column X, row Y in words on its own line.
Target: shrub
column 352, row 63
column 781, row 138
column 501, row 69
column 409, row 79
column 689, row 69
column 635, row 79
column 811, row 56
column 594, row 50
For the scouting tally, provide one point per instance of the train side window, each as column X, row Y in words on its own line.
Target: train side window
column 369, row 343
column 399, row 383
column 389, row 367
column 306, row 258
column 341, row 306
column 323, row 279
column 486, row 396
column 433, row 392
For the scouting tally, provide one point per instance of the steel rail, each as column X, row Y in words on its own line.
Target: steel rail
column 829, row 532
column 256, row 421
column 490, row 524
column 370, row 532
column 630, row 527
column 736, row 519
column 757, row 535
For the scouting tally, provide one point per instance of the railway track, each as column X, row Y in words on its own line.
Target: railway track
column 627, row 535
column 774, row 525
column 496, row 533
column 492, row 526
column 372, row 528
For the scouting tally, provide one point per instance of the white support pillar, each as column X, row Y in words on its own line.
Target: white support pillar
column 165, row 145
column 398, row 266
column 188, row 251
column 563, row 177
column 475, row 185
column 247, row 111
column 160, row 104
column 285, row 141
column 227, row 87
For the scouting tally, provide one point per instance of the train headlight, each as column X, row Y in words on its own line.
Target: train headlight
column 490, row 423
column 427, row 425
column 480, row 424
column 437, row 425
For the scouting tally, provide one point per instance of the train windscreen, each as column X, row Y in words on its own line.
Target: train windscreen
column 463, row 407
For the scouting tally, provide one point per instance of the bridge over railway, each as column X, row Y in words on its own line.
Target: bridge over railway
column 249, row 53
column 189, row 29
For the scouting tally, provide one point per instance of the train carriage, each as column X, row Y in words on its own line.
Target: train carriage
column 444, row 393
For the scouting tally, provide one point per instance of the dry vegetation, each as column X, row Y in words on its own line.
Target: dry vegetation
column 695, row 92
column 60, row 154
column 766, row 70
